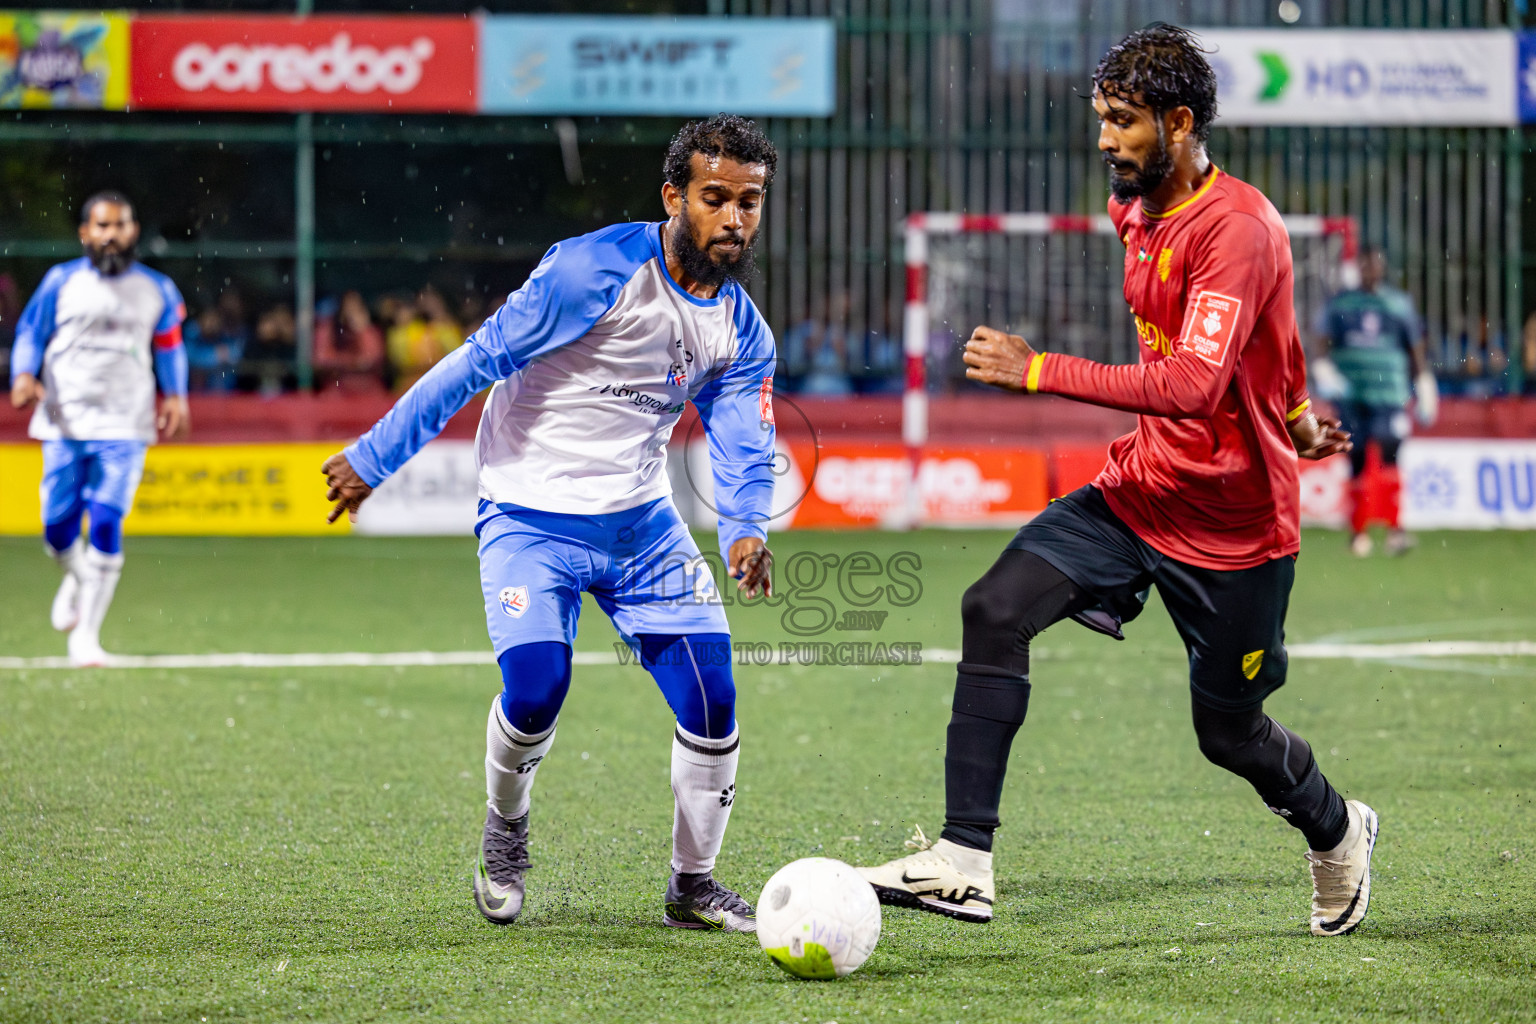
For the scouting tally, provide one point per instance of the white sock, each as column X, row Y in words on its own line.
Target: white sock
column 65, row 612
column 704, row 787
column 511, row 761
column 99, row 573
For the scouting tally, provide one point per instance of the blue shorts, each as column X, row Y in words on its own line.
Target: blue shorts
column 641, row 565
column 76, row 473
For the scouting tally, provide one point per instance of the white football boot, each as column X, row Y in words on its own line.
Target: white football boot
column 941, row 878
column 1341, row 877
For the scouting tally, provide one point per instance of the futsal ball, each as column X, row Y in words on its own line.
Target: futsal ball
column 818, row 918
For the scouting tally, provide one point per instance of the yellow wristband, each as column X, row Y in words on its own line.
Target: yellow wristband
column 1032, row 376
column 1296, row 413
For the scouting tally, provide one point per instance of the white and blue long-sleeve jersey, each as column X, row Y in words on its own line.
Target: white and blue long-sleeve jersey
column 89, row 337
column 593, row 360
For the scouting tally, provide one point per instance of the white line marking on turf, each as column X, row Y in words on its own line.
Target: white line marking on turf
column 939, row 655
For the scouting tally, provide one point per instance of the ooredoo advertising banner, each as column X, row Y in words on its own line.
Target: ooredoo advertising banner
column 325, row 63
column 62, row 59
column 1364, row 76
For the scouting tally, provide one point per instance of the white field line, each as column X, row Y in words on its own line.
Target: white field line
column 363, row 659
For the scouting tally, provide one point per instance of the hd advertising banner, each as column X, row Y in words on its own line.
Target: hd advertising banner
column 1364, row 77
column 59, row 59
column 641, row 65
column 355, row 63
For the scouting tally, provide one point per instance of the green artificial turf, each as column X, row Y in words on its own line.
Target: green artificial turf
column 291, row 844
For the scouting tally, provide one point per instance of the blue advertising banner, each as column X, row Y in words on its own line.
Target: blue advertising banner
column 1526, row 76
column 643, row 65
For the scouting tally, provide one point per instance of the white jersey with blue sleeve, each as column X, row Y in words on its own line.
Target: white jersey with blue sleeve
column 593, row 361
column 88, row 337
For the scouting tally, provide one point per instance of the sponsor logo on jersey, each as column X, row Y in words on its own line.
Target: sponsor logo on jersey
column 1152, row 336
column 1210, row 332
column 765, row 401
column 514, row 601
column 677, row 376
column 1252, row 662
column 1164, row 265
column 1142, row 256
column 639, row 399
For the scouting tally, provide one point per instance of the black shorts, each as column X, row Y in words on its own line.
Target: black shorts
column 1232, row 621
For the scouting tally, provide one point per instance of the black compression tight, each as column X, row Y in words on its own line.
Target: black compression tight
column 1278, row 764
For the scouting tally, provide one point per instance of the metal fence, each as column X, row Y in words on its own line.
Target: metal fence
column 981, row 106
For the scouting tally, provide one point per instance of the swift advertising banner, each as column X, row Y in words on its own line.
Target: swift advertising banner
column 58, row 59
column 1364, row 76
column 640, row 65
column 354, row 63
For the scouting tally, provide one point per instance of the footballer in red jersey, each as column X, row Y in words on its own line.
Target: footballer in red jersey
column 1200, row 501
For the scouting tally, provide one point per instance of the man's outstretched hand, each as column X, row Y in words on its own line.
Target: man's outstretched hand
column 26, row 390
column 997, row 358
column 1318, row 438
column 751, row 564
column 347, row 489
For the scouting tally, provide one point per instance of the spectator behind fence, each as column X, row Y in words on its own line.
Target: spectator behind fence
column 1484, row 368
column 422, row 334
column 271, row 360
column 349, row 349
column 216, row 342
column 1528, row 356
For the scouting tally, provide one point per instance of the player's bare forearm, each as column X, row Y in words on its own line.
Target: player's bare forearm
column 175, row 419
column 344, row 487
column 25, row 390
column 1319, row 437
column 997, row 358
column 751, row 564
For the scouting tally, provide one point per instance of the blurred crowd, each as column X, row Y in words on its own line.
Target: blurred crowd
column 360, row 348
column 384, row 345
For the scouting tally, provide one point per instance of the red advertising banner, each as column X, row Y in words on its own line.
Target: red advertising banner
column 291, row 64
column 866, row 485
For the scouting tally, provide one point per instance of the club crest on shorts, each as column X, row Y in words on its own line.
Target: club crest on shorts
column 514, row 601
column 1252, row 662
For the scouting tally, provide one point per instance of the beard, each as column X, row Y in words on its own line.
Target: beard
column 701, row 266
column 111, row 260
column 1128, row 183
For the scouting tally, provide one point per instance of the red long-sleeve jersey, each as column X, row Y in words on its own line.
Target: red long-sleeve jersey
column 1209, row 475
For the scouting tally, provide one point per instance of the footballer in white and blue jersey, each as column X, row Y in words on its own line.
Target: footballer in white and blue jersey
column 91, row 344
column 592, row 362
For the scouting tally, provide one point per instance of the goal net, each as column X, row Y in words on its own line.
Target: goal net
column 1057, row 280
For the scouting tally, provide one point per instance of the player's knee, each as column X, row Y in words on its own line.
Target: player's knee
column 60, row 535
column 534, row 681
column 983, row 607
column 1229, row 740
column 694, row 674
column 106, row 529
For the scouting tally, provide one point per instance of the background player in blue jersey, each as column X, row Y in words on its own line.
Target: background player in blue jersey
column 90, row 345
column 593, row 361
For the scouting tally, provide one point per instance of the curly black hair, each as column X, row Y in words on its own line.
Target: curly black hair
column 722, row 135
column 1166, row 65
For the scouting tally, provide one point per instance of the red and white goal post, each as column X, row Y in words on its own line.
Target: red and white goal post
column 1056, row 279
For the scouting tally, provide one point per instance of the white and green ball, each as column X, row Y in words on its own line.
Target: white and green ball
column 818, row 918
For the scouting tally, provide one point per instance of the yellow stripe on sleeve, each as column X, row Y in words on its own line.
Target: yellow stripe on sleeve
column 1296, row 413
column 1032, row 378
